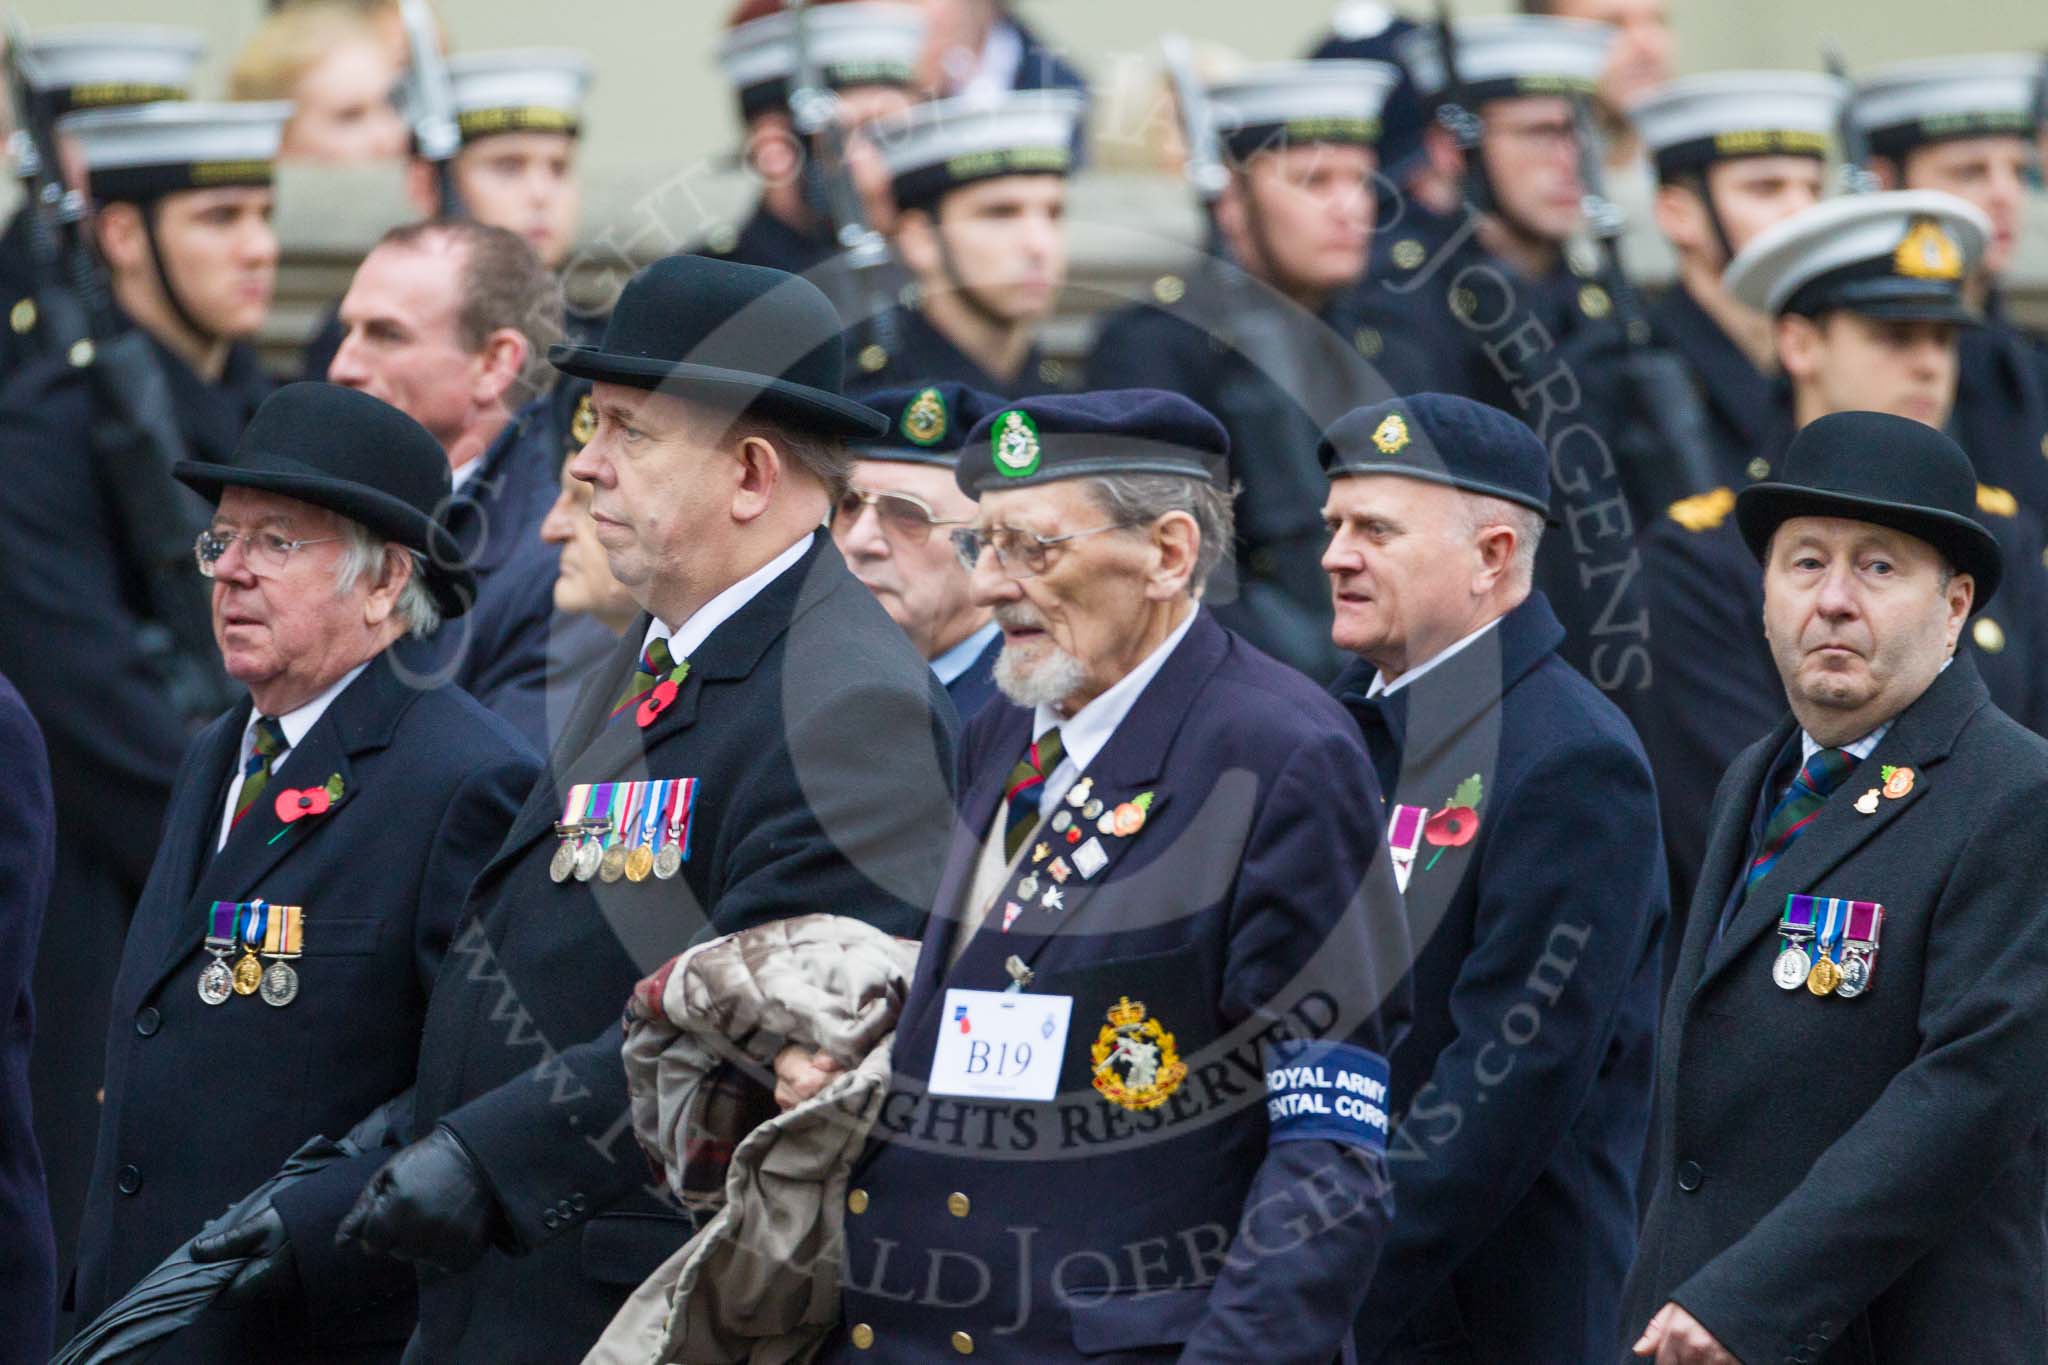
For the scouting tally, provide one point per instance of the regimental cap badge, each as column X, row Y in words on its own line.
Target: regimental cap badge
column 1137, row 1065
column 583, row 424
column 1704, row 511
column 924, row 418
column 1928, row 253
column 1391, row 435
column 1015, row 443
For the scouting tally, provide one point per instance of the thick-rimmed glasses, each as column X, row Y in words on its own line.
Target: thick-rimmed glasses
column 265, row 552
column 903, row 517
column 1019, row 554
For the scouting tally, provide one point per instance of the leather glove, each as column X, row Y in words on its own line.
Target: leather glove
column 429, row 1205
column 272, row 1271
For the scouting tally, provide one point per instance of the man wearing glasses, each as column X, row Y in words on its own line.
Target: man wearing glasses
column 275, row 979
column 891, row 523
column 1165, row 876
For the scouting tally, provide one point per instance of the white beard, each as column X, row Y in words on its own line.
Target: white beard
column 1046, row 681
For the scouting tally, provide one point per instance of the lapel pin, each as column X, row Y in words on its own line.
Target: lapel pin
column 1897, row 781
column 1867, row 803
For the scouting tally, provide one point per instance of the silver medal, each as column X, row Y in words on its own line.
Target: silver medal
column 1091, row 811
column 1060, row 821
column 280, row 984
column 1855, row 974
column 1791, row 969
column 216, row 983
column 588, row 855
column 668, row 862
column 564, row 861
column 1028, row 888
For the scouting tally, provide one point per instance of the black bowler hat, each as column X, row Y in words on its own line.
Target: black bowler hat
column 1442, row 438
column 929, row 425
column 1084, row 435
column 1891, row 471
column 356, row 456
column 744, row 336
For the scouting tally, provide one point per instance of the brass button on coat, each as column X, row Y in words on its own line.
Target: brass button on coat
column 957, row 1204
column 857, row 1201
column 862, row 1336
column 963, row 1343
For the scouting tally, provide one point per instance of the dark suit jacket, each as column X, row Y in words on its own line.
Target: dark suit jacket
column 976, row 687
column 204, row 1102
column 1852, row 1181
column 498, row 650
column 823, row 747
column 28, row 852
column 1526, row 1080
column 1254, row 901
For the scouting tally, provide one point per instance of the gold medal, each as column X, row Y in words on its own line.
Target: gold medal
column 612, row 865
column 248, row 974
column 639, row 863
column 1824, row 977
column 563, row 865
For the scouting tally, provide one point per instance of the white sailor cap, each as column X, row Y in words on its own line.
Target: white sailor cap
column 852, row 44
column 932, row 148
column 1289, row 103
column 1503, row 55
column 1695, row 121
column 525, row 90
column 1901, row 107
column 98, row 66
column 1903, row 254
column 141, row 151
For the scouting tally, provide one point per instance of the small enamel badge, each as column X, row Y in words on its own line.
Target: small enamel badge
column 1898, row 782
column 1867, row 803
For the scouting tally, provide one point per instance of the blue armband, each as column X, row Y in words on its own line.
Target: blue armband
column 1327, row 1092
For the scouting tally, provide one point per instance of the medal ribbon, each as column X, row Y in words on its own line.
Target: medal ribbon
column 650, row 820
column 613, row 792
column 1796, row 924
column 1866, row 922
column 1828, row 941
column 282, row 937
column 573, row 810
column 254, row 922
column 679, row 820
column 221, row 927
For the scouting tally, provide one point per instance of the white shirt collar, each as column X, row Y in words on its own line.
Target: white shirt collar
column 1809, row 746
column 463, row 473
column 1381, row 687
column 683, row 640
column 295, row 724
column 996, row 72
column 1083, row 734
column 960, row 657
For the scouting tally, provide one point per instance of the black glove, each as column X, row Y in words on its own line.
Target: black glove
column 430, row 1205
column 272, row 1271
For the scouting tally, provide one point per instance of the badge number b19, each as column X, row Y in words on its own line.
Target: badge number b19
column 1000, row 1045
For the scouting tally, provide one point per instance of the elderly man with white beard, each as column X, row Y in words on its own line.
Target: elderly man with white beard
column 1166, row 910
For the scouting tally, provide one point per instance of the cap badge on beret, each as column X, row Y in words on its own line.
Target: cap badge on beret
column 1928, row 253
column 924, row 418
column 1391, row 436
column 1015, row 443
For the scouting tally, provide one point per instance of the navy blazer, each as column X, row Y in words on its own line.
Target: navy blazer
column 1525, row 1082
column 28, row 853
column 204, row 1102
column 823, row 749
column 497, row 651
column 1253, row 903
column 975, row 686
column 1852, row 1181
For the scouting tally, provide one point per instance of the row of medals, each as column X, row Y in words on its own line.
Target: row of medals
column 277, row 983
column 583, row 855
column 1796, row 967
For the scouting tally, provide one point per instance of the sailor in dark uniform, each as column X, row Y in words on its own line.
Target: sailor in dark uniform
column 980, row 192
column 1734, row 152
column 893, row 526
column 183, row 222
column 867, row 56
column 1868, row 294
column 1268, row 334
column 92, row 66
column 980, row 49
column 1966, row 125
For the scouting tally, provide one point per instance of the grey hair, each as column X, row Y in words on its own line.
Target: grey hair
column 364, row 554
column 1141, row 499
column 1527, row 524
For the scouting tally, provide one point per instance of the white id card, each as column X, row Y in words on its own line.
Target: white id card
column 1000, row 1045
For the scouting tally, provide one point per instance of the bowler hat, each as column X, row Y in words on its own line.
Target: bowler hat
column 744, row 336
column 1875, row 467
column 356, row 456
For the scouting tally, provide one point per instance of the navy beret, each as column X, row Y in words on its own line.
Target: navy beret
column 1084, row 435
column 927, row 424
column 1442, row 438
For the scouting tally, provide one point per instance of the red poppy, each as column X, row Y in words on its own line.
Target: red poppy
column 292, row 805
column 1452, row 827
column 657, row 701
